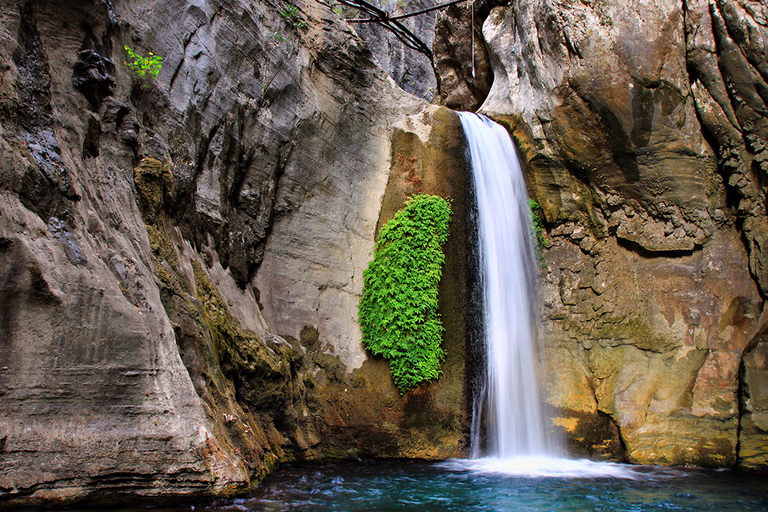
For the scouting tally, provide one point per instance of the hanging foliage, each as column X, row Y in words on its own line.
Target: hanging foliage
column 398, row 310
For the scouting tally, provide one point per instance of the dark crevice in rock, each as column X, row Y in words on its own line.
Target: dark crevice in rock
column 484, row 7
column 759, row 173
column 459, row 88
column 204, row 146
column 93, row 70
column 752, row 400
column 732, row 29
column 645, row 253
column 187, row 39
column 735, row 71
column 476, row 359
column 740, row 398
column 92, row 138
column 619, row 435
column 194, row 225
column 176, row 73
column 732, row 196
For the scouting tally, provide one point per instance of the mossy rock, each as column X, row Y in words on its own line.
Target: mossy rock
column 154, row 184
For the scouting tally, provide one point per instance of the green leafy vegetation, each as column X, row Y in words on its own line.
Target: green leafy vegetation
column 278, row 38
column 143, row 66
column 538, row 227
column 398, row 310
column 290, row 15
column 344, row 10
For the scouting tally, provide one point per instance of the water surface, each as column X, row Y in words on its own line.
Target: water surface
column 403, row 485
column 449, row 486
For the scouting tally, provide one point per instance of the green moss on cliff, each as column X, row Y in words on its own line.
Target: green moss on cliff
column 261, row 374
column 244, row 384
column 154, row 183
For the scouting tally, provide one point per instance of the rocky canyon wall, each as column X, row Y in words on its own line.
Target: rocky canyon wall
column 643, row 129
column 181, row 258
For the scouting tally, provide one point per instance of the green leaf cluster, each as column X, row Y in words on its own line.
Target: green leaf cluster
column 538, row 227
column 290, row 15
column 538, row 222
column 142, row 66
column 398, row 310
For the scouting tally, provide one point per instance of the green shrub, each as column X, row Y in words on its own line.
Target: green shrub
column 398, row 310
column 142, row 66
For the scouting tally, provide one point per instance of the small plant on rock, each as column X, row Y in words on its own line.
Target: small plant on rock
column 537, row 228
column 290, row 15
column 278, row 39
column 143, row 66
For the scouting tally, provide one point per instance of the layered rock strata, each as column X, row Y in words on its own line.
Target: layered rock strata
column 641, row 127
column 181, row 258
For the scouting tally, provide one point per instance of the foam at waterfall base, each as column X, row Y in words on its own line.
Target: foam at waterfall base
column 536, row 466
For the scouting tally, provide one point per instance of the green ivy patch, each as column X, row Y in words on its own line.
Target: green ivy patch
column 398, row 310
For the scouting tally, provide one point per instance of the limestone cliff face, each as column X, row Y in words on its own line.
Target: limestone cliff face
column 643, row 126
column 181, row 258
column 459, row 74
column 410, row 69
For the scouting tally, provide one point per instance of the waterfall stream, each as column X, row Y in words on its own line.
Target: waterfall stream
column 508, row 407
column 515, row 425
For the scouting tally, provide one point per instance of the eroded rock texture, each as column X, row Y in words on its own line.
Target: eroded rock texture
column 181, row 258
column 643, row 125
column 458, row 75
column 461, row 58
column 411, row 70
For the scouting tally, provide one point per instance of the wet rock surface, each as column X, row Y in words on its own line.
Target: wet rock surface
column 641, row 128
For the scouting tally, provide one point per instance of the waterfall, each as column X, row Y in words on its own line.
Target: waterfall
column 510, row 397
column 507, row 404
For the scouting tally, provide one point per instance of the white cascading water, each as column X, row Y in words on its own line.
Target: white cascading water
column 517, row 443
column 507, row 266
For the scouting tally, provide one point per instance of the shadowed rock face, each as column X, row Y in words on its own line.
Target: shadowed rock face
column 411, row 70
column 181, row 259
column 459, row 75
column 463, row 64
column 642, row 127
